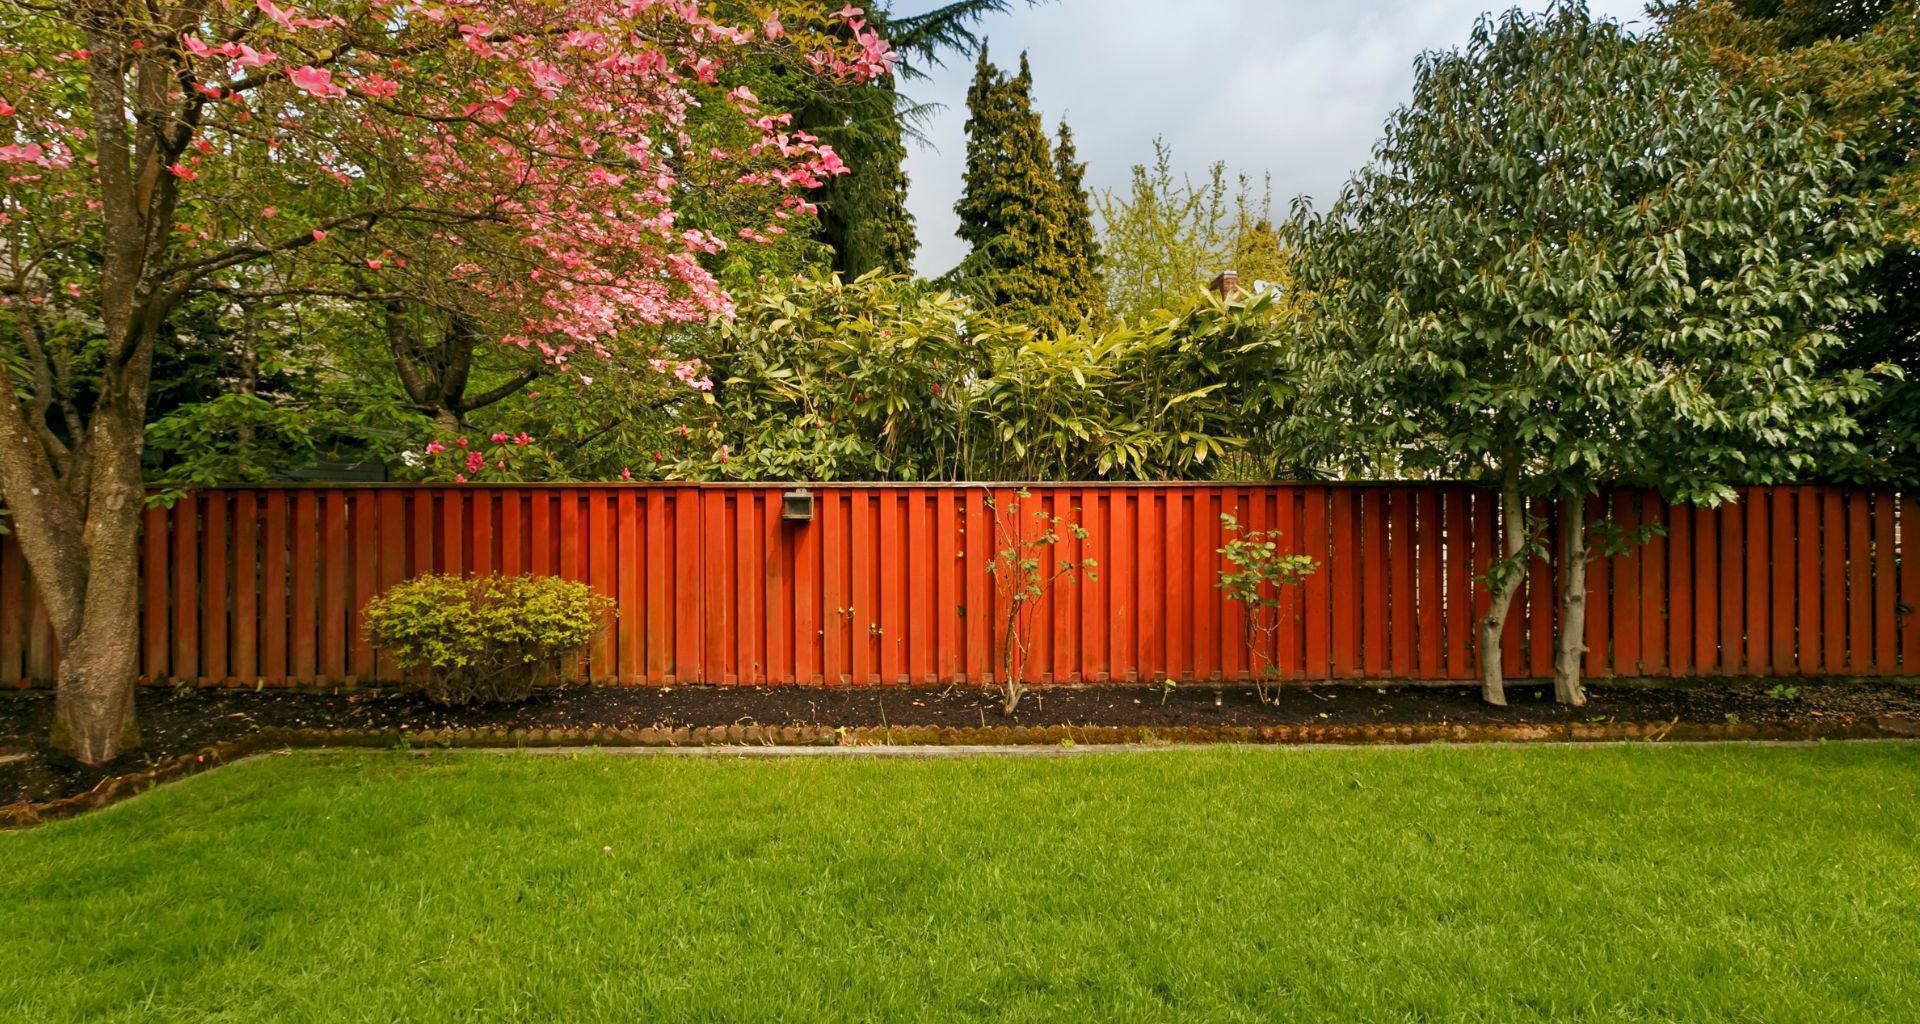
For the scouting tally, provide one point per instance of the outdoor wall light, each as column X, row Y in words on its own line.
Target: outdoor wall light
column 797, row 506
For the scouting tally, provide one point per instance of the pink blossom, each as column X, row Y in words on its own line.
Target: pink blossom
column 523, row 440
column 459, row 478
column 316, row 81
column 499, row 438
column 252, row 58
column 599, row 259
column 274, row 11
column 435, row 447
column 625, row 473
column 379, row 88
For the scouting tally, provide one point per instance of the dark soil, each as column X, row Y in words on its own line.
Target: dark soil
column 184, row 721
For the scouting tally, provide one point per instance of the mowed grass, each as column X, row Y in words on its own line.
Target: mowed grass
column 1459, row 884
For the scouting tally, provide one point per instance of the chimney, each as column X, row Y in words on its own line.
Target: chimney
column 1225, row 284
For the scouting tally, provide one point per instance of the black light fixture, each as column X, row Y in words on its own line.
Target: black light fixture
column 797, row 506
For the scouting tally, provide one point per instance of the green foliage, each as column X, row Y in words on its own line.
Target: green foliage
column 1258, row 571
column 863, row 215
column 1026, row 226
column 1857, row 67
column 1184, row 394
column 826, row 379
column 485, row 638
column 1578, row 253
column 236, row 438
column 1165, row 238
column 1578, row 257
column 885, row 378
column 1083, row 288
column 1027, row 562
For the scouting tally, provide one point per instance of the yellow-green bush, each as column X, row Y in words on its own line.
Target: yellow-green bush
column 485, row 638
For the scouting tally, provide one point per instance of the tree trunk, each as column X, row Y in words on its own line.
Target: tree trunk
column 1570, row 645
column 100, row 654
column 1513, row 517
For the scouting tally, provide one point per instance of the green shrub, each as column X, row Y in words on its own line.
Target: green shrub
column 485, row 638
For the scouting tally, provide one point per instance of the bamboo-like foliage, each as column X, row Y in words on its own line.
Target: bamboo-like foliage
column 884, row 378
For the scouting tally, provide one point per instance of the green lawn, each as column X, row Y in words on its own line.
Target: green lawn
column 1616, row 884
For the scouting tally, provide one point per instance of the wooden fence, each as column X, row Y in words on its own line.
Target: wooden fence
column 887, row 584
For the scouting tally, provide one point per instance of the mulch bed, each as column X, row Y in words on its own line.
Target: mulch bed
column 183, row 729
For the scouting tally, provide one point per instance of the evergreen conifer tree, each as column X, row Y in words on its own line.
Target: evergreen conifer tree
column 1083, row 287
column 863, row 214
column 1015, row 210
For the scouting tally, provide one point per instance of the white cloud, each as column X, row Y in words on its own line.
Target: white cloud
column 1296, row 88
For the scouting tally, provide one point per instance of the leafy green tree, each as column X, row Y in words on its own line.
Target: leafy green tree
column 1578, row 257
column 1166, row 237
column 1015, row 212
column 1857, row 65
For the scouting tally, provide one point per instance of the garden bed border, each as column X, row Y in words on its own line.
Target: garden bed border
column 110, row 791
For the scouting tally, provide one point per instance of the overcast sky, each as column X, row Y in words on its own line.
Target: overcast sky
column 1298, row 88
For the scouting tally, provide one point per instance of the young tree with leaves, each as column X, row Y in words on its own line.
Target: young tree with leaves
column 1165, row 237
column 159, row 151
column 1578, row 257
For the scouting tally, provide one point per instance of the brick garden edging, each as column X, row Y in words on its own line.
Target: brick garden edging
column 113, row 790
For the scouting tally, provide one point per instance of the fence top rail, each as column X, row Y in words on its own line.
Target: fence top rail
column 672, row 485
column 992, row 485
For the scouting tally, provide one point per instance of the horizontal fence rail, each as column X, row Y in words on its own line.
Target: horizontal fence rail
column 887, row 585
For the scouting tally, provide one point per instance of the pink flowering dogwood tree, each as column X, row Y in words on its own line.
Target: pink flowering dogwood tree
column 519, row 163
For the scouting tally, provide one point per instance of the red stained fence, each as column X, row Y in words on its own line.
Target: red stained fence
column 887, row 584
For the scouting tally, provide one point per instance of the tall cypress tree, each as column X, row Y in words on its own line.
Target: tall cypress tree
column 1083, row 246
column 1014, row 211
